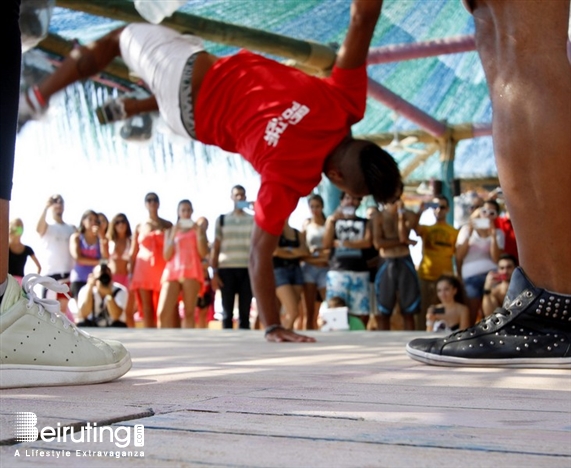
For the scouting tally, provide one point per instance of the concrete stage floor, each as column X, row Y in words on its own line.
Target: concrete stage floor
column 353, row 399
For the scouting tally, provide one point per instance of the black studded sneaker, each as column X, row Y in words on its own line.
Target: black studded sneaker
column 532, row 329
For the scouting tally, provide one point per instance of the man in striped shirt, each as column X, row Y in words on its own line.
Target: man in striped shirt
column 230, row 257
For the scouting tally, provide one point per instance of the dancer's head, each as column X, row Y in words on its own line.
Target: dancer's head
column 360, row 168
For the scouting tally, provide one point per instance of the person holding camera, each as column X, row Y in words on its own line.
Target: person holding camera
column 55, row 233
column 185, row 247
column 230, row 257
column 451, row 312
column 396, row 279
column 438, row 250
column 497, row 282
column 348, row 236
column 101, row 302
column 478, row 249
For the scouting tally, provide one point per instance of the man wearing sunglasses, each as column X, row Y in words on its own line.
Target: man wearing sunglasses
column 438, row 249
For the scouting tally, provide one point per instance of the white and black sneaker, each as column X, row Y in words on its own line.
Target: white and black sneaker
column 39, row 346
column 112, row 110
column 532, row 329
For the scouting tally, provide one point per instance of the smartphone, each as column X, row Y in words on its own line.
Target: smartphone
column 348, row 210
column 243, row 204
column 439, row 310
column 186, row 223
column 481, row 223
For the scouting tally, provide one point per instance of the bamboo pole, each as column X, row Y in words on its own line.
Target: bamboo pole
column 457, row 132
column 417, row 50
column 308, row 53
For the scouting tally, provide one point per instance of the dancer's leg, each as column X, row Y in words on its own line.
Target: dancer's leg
column 523, row 50
column 10, row 82
column 83, row 62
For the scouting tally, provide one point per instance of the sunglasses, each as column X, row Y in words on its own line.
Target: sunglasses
column 490, row 212
column 441, row 207
column 121, row 221
column 151, row 200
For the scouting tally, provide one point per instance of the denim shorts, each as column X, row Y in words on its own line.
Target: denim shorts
column 352, row 287
column 288, row 275
column 314, row 274
column 474, row 286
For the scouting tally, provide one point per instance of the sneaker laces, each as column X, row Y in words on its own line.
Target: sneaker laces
column 51, row 306
column 484, row 324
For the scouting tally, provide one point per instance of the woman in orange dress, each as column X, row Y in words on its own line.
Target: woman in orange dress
column 185, row 247
column 147, row 261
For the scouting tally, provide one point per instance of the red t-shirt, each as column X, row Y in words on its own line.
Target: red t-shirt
column 506, row 226
column 282, row 121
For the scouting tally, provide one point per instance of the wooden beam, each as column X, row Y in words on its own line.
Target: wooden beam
column 463, row 131
column 308, row 53
column 419, row 160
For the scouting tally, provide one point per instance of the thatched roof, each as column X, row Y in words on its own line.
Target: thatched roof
column 450, row 88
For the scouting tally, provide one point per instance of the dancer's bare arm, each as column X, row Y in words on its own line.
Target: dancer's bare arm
column 140, row 106
column 264, row 285
column 364, row 16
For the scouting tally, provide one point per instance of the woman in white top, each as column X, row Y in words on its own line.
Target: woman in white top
column 478, row 249
column 315, row 265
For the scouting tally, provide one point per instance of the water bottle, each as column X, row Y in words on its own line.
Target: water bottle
column 154, row 11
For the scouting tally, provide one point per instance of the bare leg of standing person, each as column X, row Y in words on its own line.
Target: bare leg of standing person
column 522, row 46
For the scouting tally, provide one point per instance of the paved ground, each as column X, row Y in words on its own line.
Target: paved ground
column 354, row 399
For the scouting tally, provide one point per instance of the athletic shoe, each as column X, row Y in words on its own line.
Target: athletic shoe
column 111, row 111
column 40, row 347
column 532, row 329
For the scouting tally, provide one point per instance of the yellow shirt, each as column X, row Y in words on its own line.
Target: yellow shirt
column 438, row 248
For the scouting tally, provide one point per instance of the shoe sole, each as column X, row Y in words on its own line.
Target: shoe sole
column 20, row 376
column 451, row 361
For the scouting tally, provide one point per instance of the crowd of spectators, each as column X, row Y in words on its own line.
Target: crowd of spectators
column 160, row 274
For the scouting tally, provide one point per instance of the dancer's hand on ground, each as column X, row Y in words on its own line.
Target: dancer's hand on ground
column 281, row 335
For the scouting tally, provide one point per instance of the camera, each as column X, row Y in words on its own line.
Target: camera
column 243, row 204
column 186, row 223
column 481, row 223
column 348, row 210
column 104, row 279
